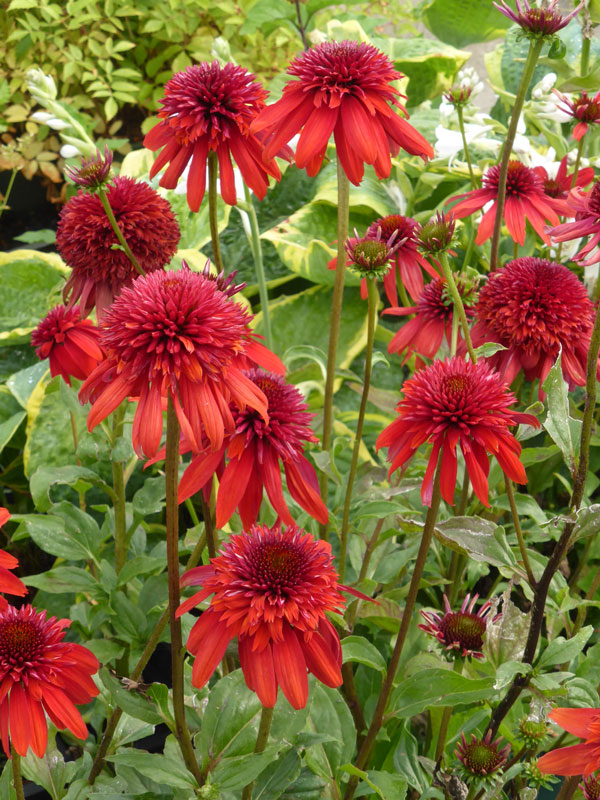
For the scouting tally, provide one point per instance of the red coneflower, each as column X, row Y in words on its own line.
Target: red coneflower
column 343, row 88
column 271, row 588
column 587, row 223
column 534, row 308
column 461, row 631
column 525, row 200
column 579, row 759
column 433, row 311
column 93, row 172
column 39, row 672
column 209, row 107
column 85, row 240
column 481, row 758
column 254, row 452
column 456, row 402
column 69, row 342
column 560, row 186
column 407, row 262
column 586, row 110
column 9, row 583
column 538, row 22
column 177, row 334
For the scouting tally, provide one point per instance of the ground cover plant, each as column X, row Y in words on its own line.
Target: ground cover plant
column 298, row 420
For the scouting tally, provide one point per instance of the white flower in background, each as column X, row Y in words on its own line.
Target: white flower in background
column 468, row 78
column 41, row 86
column 69, row 151
column 50, row 120
column 449, row 143
column 544, row 103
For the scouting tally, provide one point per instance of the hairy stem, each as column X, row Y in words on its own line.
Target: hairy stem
column 368, row 744
column 336, row 315
column 458, row 304
column 535, row 48
column 373, row 300
column 118, row 232
column 445, row 721
column 212, row 210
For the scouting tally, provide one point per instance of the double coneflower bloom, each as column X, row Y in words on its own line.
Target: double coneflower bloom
column 177, row 335
column 586, row 206
column 344, row 89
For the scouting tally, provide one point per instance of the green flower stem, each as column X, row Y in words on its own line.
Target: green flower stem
column 458, row 304
column 461, row 125
column 535, row 48
column 373, row 301
column 259, row 268
column 119, row 490
column 518, row 530
column 153, row 640
column 212, row 210
column 564, row 542
column 16, row 771
column 172, row 512
column 118, row 232
column 208, row 513
column 8, row 190
column 578, row 157
column 262, row 738
column 336, row 315
column 454, row 336
column 402, row 291
column 440, row 744
column 368, row 744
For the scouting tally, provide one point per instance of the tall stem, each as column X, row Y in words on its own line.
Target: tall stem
column 118, row 232
column 445, row 721
column 259, row 268
column 458, row 304
column 518, row 530
column 262, row 738
column 16, row 771
column 461, row 125
column 172, row 514
column 212, row 210
column 343, row 190
column 11, row 181
column 119, row 501
column 578, row 157
column 535, row 48
column 384, row 695
column 373, row 300
column 154, row 639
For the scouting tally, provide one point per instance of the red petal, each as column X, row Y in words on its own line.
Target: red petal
column 62, row 709
column 575, row 720
column 303, row 486
column 199, row 472
column 19, row 719
column 573, row 760
column 196, row 183
column 259, row 671
column 321, row 661
column 233, row 485
column 176, row 167
column 226, row 175
column 208, row 640
column 313, row 139
column 290, row 668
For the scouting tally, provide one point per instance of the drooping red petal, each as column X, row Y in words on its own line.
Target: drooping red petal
column 290, row 668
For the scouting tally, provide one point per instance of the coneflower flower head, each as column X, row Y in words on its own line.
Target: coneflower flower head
column 590, row 788
column 458, row 95
column 584, row 109
column 208, row 108
column 86, row 241
column 436, row 235
column 586, row 206
column 176, row 334
column 94, row 172
column 461, row 632
column 537, row 22
column 370, row 256
column 271, row 588
column 70, row 343
column 578, row 759
column 39, row 672
column 532, row 732
column 481, row 758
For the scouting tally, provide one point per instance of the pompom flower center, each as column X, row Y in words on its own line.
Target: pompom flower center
column 277, row 566
column 481, row 758
column 467, row 630
column 594, row 201
column 20, row 641
column 370, row 253
column 586, row 109
column 394, row 223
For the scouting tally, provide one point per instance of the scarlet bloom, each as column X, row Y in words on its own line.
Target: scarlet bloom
column 434, row 310
column 39, row 672
column 85, row 239
column 71, row 343
column 587, row 223
column 407, row 262
column 177, row 334
column 271, row 588
column 94, row 172
column 343, row 88
column 209, row 107
column 481, row 758
column 538, row 22
column 560, row 186
column 9, row 583
column 456, row 402
column 534, row 308
column 579, row 759
column 254, row 452
column 525, row 200
column 586, row 110
column 461, row 631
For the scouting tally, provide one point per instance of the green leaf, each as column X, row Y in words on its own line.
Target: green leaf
column 49, row 534
column 265, row 13
column 232, row 774
column 527, row 506
column 329, row 714
column 23, row 383
column 149, row 499
column 61, row 580
column 129, row 621
column 43, row 478
column 438, row 687
column 9, row 427
column 387, row 786
column 463, row 22
column 479, row 538
column 134, row 704
column 43, row 236
column 155, row 766
column 274, row 780
column 51, row 772
column 562, row 428
column 359, row 649
column 561, row 650
column 588, row 522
